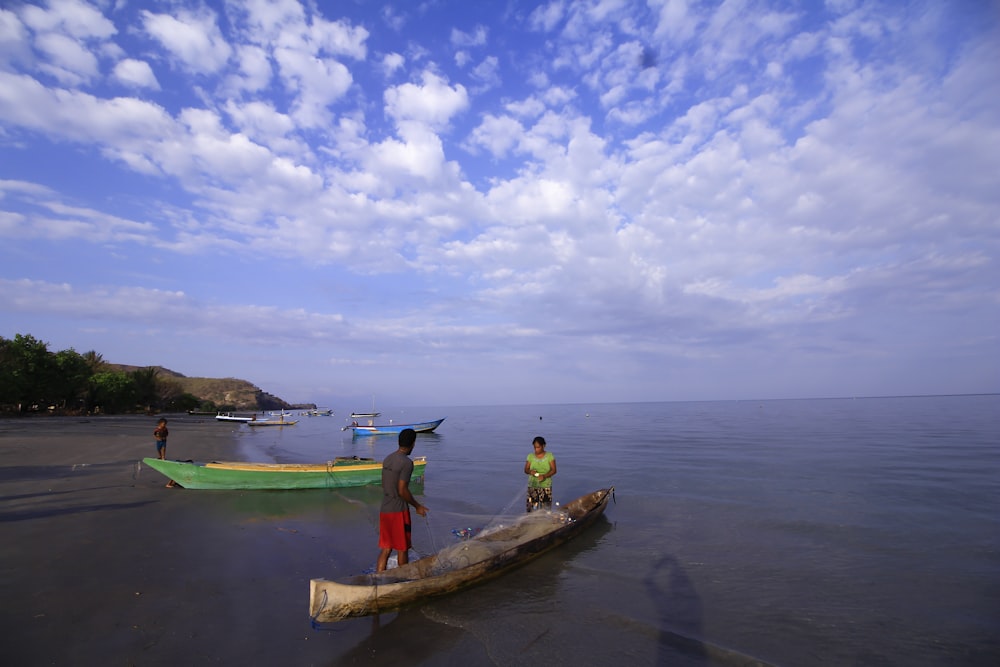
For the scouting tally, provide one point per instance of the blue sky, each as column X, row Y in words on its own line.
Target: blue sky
column 461, row 203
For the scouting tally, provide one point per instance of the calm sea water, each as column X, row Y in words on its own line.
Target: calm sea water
column 806, row 532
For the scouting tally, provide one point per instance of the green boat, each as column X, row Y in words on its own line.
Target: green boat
column 340, row 472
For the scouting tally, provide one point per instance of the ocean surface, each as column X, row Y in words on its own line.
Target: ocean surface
column 783, row 532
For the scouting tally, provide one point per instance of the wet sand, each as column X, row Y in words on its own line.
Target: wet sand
column 101, row 564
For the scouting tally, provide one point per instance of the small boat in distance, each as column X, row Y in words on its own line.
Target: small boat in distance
column 371, row 428
column 230, row 417
column 231, row 475
column 472, row 561
column 280, row 421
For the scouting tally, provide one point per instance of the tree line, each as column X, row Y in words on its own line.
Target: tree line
column 33, row 379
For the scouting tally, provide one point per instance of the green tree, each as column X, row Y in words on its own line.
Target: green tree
column 95, row 361
column 146, row 382
column 7, row 393
column 74, row 374
column 171, row 396
column 112, row 392
column 29, row 375
column 183, row 402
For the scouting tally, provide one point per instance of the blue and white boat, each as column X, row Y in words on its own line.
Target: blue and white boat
column 371, row 428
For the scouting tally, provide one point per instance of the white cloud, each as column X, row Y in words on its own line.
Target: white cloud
column 498, row 134
column 72, row 18
column 136, row 73
column 434, row 102
column 67, row 59
column 547, row 16
column 419, row 154
column 193, row 38
column 463, row 39
column 260, row 119
column 487, row 73
column 317, row 83
column 339, row 38
column 392, row 62
column 14, row 44
column 255, row 70
column 78, row 116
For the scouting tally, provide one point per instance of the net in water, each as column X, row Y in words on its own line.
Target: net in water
column 497, row 539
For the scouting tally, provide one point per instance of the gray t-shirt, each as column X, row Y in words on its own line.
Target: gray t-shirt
column 395, row 467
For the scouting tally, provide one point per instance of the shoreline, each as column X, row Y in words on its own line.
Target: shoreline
column 101, row 564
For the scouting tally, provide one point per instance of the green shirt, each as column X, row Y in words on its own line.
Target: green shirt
column 542, row 466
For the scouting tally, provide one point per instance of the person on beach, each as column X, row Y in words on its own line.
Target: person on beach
column 540, row 468
column 394, row 530
column 161, row 433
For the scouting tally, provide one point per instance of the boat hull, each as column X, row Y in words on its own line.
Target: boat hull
column 387, row 429
column 239, row 476
column 488, row 555
column 232, row 418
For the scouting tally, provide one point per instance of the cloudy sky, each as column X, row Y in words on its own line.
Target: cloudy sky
column 510, row 202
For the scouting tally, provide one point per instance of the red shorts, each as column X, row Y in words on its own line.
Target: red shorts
column 394, row 530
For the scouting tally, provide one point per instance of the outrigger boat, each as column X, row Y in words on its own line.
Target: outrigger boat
column 340, row 472
column 371, row 428
column 489, row 554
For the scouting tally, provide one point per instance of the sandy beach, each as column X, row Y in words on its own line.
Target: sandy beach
column 101, row 564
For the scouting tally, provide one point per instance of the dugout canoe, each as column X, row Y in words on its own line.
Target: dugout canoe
column 480, row 558
column 232, row 475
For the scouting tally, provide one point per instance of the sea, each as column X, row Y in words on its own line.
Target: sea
column 775, row 532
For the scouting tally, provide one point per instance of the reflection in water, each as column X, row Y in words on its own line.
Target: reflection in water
column 403, row 639
column 513, row 619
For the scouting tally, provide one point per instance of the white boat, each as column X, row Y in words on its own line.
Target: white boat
column 230, row 417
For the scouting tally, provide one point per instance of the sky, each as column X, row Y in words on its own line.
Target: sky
column 503, row 203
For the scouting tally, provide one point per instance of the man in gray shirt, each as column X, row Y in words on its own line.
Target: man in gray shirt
column 394, row 516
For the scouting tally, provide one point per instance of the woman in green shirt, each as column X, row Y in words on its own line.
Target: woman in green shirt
column 540, row 467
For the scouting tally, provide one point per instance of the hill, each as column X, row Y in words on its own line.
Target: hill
column 227, row 393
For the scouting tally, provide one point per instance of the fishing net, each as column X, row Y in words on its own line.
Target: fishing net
column 497, row 539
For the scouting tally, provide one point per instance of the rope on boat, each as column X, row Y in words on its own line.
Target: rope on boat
column 316, row 625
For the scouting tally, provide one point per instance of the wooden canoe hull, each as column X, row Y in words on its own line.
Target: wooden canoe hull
column 386, row 429
column 468, row 563
column 233, row 475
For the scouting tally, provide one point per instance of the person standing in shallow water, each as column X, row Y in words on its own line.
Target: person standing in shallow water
column 394, row 530
column 540, row 468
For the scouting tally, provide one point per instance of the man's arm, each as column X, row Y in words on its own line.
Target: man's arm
column 403, row 488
